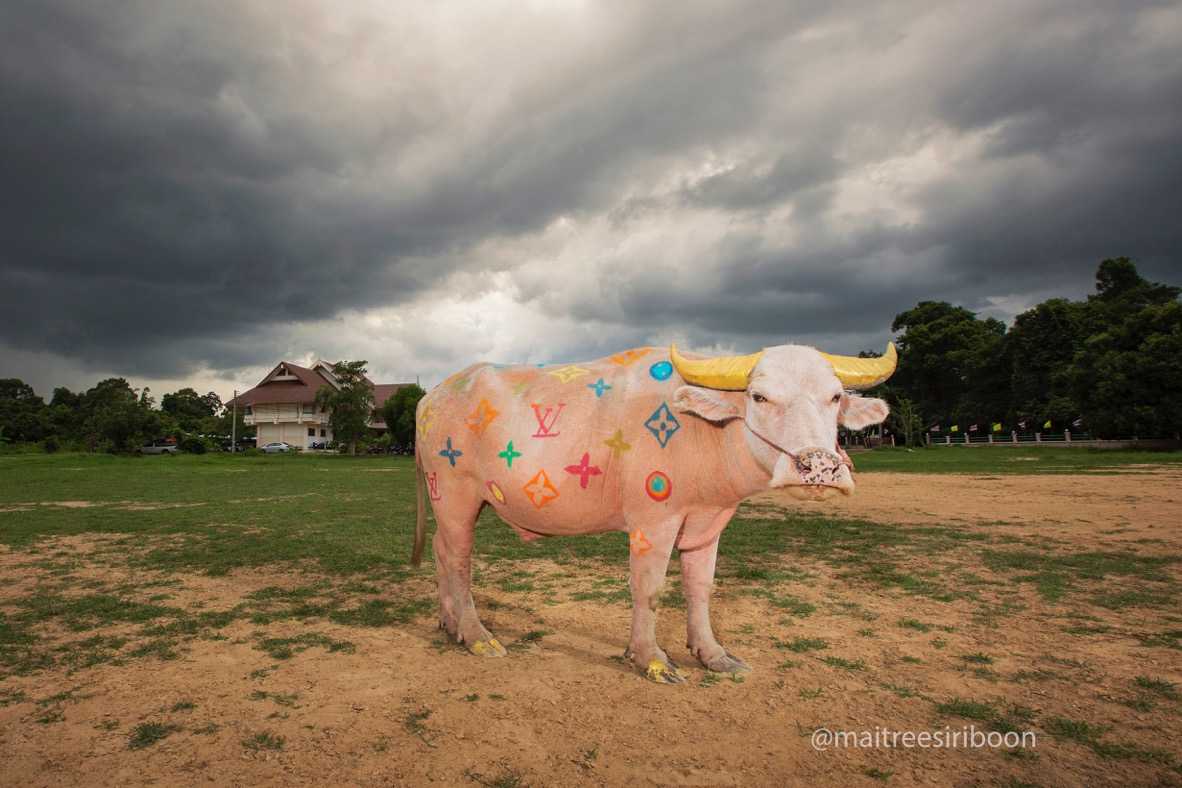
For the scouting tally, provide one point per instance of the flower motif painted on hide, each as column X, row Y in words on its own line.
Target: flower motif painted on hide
column 661, row 370
column 458, row 381
column 584, row 470
column 598, row 387
column 509, row 454
column 638, row 544
column 662, row 424
column 628, row 356
column 539, row 490
column 451, row 453
column 495, row 489
column 617, row 443
column 480, row 418
column 569, row 373
column 424, row 421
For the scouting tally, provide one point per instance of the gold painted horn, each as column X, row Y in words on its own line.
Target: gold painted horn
column 728, row 373
column 863, row 373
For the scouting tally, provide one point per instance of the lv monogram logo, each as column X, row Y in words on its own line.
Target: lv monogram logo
column 433, row 485
column 547, row 419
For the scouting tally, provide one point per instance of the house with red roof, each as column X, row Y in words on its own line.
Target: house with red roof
column 282, row 407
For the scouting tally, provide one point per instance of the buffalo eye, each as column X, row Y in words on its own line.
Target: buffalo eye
column 836, row 399
column 759, row 398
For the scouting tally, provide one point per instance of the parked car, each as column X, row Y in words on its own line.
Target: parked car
column 277, row 448
column 159, row 447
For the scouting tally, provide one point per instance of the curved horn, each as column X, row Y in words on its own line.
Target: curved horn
column 863, row 373
column 728, row 373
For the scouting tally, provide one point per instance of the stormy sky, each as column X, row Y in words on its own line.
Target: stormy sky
column 194, row 191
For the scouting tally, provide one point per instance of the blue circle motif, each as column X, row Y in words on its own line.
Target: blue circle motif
column 661, row 370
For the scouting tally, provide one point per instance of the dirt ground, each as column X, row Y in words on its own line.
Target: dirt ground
column 405, row 708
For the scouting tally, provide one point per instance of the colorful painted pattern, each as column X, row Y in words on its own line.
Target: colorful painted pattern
column 539, row 490
column 569, row 373
column 617, row 443
column 495, row 489
column 584, row 470
column 658, row 486
column 509, row 454
column 638, row 544
column 628, row 356
column 433, row 485
column 423, row 427
column 483, row 416
column 451, row 453
column 662, row 424
column 598, row 387
column 547, row 420
column 661, row 370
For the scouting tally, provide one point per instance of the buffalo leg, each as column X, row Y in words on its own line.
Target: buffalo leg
column 650, row 549
column 454, row 534
column 697, row 582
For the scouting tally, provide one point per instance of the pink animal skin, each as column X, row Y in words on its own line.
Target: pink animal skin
column 661, row 446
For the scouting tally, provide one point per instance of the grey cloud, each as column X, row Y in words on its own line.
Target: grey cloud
column 187, row 185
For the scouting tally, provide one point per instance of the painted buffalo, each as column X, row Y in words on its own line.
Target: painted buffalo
column 652, row 443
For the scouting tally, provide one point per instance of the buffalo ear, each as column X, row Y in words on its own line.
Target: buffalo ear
column 711, row 405
column 858, row 413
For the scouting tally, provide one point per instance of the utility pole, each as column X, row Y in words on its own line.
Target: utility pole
column 234, row 424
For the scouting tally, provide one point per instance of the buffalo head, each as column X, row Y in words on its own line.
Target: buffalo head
column 790, row 399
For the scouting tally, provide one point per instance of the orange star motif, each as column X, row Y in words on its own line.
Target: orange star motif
column 480, row 418
column 628, row 356
column 539, row 490
column 637, row 542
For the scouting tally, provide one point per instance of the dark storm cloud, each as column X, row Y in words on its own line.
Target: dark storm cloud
column 184, row 183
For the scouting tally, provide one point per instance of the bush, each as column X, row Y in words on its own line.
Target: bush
column 50, row 444
column 192, row 445
column 251, row 452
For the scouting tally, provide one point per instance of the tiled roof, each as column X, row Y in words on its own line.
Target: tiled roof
column 303, row 390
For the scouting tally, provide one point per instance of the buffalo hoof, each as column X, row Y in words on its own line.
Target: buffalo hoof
column 663, row 672
column 488, row 648
column 725, row 663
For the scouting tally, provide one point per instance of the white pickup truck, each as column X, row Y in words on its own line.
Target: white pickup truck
column 159, row 447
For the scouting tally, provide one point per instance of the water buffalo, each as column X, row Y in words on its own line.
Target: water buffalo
column 655, row 444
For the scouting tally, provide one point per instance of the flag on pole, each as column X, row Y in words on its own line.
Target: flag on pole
column 954, row 428
column 1047, row 425
column 1078, row 422
column 934, row 428
column 997, row 426
column 973, row 428
column 1022, row 424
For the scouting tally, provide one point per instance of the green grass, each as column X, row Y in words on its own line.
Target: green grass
column 801, row 645
column 999, row 460
column 148, row 733
column 264, row 741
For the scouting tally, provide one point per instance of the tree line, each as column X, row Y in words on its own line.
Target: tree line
column 1108, row 364
column 115, row 417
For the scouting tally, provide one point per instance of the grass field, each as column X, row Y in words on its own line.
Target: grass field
column 1007, row 459
column 294, row 571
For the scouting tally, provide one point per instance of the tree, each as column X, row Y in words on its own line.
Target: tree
column 399, row 414
column 907, row 422
column 1042, row 344
column 949, row 361
column 116, row 419
column 23, row 416
column 349, row 403
column 189, row 408
column 1126, row 376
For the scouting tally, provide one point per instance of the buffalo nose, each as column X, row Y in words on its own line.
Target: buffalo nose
column 817, row 466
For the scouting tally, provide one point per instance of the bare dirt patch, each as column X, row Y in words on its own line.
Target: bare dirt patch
column 398, row 705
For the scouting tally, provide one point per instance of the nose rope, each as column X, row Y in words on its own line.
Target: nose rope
column 845, row 460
